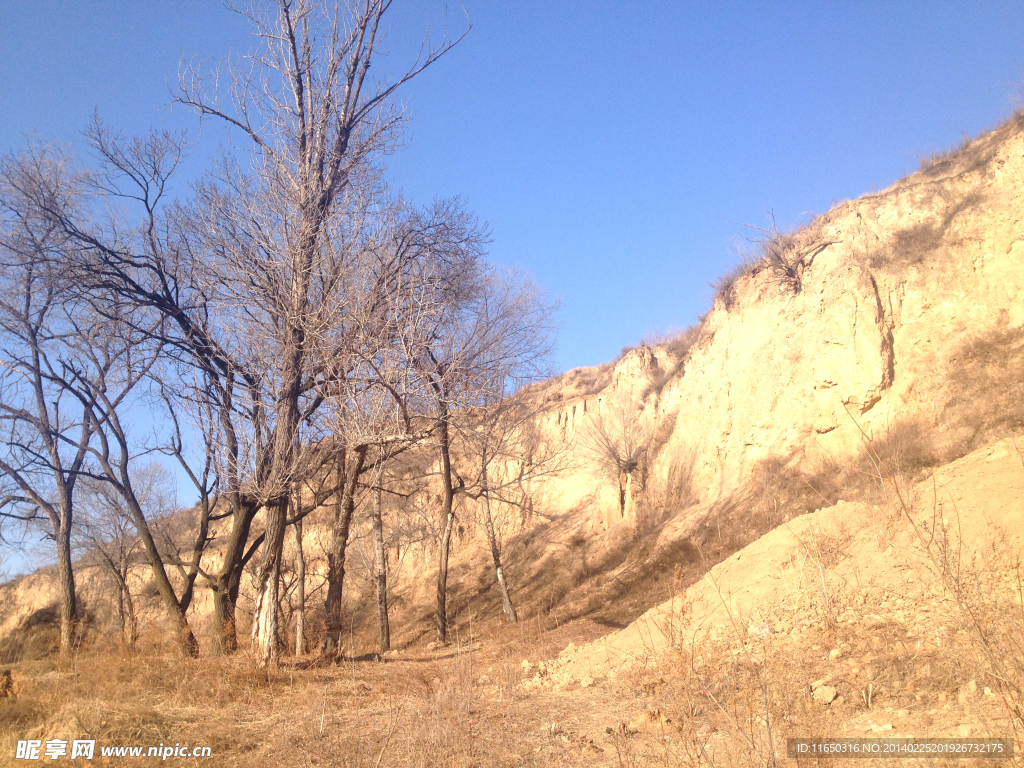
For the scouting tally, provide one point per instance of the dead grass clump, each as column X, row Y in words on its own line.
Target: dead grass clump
column 37, row 637
column 678, row 346
column 666, row 495
column 782, row 488
column 724, row 285
column 986, row 388
column 934, row 162
column 785, row 256
column 900, row 453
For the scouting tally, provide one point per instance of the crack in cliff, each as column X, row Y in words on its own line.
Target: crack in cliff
column 886, row 326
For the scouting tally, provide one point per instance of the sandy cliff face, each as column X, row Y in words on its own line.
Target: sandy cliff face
column 872, row 328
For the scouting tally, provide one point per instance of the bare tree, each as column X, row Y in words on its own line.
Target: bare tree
column 618, row 441
column 46, row 432
column 501, row 442
column 104, row 350
column 494, row 331
column 281, row 234
column 105, row 528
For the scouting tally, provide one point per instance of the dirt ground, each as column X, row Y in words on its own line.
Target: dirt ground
column 896, row 618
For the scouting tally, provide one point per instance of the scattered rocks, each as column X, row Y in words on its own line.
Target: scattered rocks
column 825, row 694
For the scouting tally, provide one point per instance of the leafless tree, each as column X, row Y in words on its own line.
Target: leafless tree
column 281, row 234
column 502, row 444
column 102, row 352
column 107, row 533
column 618, row 442
column 493, row 332
column 46, row 432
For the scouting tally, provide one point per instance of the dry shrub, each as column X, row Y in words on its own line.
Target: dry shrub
column 935, row 160
column 666, row 495
column 678, row 345
column 724, row 285
column 782, row 489
column 36, row 637
column 984, row 604
column 926, row 240
column 986, row 388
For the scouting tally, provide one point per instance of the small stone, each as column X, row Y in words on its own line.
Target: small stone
column 881, row 728
column 825, row 694
column 973, row 686
column 527, row 667
column 569, row 649
column 963, row 731
column 586, row 681
column 835, row 653
column 988, row 692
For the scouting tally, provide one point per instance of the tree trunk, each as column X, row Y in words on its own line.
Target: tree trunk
column 131, row 623
column 66, row 577
column 183, row 636
column 492, row 540
column 381, row 567
column 268, row 585
column 229, row 579
column 300, row 574
column 349, row 469
column 448, row 509
column 122, row 619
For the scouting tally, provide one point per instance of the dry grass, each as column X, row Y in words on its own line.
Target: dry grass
column 986, row 390
column 726, row 700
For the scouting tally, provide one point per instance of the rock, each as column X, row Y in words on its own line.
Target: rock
column 825, row 694
column 963, row 731
column 651, row 721
column 988, row 692
column 586, row 681
column 973, row 686
column 835, row 653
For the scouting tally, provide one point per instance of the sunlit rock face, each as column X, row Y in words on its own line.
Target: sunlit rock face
column 893, row 288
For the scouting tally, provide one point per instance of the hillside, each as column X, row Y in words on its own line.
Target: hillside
column 820, row 537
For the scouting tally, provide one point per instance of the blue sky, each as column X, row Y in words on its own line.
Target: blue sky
column 611, row 146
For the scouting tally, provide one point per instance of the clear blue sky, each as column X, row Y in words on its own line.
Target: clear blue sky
column 609, row 145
